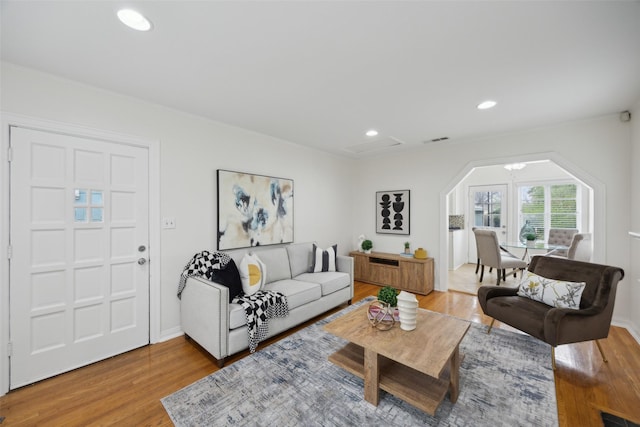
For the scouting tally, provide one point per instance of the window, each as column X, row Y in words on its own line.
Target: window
column 488, row 208
column 546, row 206
column 88, row 206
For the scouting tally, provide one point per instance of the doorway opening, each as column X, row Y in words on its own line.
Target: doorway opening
column 458, row 206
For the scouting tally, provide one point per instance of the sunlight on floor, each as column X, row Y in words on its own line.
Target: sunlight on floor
column 464, row 279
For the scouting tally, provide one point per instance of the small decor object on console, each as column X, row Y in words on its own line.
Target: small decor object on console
column 367, row 245
column 408, row 310
column 420, row 253
column 407, row 248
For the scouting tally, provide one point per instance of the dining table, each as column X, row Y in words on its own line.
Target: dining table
column 537, row 245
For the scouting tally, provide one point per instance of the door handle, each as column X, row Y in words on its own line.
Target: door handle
column 142, row 261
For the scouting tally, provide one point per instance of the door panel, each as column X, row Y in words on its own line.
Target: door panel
column 79, row 212
column 488, row 210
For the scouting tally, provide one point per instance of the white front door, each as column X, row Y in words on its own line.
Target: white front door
column 488, row 210
column 79, row 232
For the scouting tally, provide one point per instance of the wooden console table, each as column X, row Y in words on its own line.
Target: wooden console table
column 402, row 272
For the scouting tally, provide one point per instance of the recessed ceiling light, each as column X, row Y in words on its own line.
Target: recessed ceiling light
column 486, row 105
column 134, row 20
column 372, row 132
column 515, row 166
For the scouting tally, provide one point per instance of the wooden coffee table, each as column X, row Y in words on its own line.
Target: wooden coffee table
column 417, row 366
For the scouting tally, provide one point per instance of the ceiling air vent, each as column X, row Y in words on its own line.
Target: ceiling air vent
column 443, row 138
column 377, row 144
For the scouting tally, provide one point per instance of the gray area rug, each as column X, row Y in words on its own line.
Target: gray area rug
column 505, row 380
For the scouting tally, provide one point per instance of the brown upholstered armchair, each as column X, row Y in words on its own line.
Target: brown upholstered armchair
column 557, row 326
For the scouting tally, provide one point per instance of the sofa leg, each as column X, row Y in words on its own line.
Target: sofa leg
column 491, row 326
column 220, row 362
column 604, row 358
column 349, row 302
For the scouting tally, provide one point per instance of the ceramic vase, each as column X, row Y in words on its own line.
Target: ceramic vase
column 408, row 310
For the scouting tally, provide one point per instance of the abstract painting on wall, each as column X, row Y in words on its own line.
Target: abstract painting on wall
column 392, row 212
column 253, row 210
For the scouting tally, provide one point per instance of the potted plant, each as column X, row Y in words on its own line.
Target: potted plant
column 407, row 249
column 388, row 295
column 531, row 239
column 366, row 246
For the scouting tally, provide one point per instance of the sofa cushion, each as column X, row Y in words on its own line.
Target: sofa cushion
column 299, row 257
column 229, row 277
column 328, row 281
column 237, row 316
column 277, row 262
column 253, row 274
column 323, row 259
column 297, row 292
column 522, row 313
column 556, row 293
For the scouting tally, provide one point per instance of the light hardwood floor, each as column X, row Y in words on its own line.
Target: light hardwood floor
column 126, row 390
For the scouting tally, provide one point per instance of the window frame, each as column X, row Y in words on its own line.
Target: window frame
column 547, row 184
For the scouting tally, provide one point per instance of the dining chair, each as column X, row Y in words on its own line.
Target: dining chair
column 580, row 248
column 504, row 250
column 561, row 237
column 492, row 256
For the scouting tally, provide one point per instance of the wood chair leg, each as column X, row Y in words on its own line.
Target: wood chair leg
column 553, row 358
column 604, row 358
column 491, row 326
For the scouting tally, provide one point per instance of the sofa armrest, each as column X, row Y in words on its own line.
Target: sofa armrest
column 344, row 264
column 565, row 325
column 486, row 292
column 204, row 315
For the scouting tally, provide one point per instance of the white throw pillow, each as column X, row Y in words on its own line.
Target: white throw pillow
column 556, row 293
column 324, row 259
column 252, row 274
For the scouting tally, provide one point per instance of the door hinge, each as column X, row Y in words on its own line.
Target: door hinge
column 9, row 349
column 9, row 252
column 9, row 154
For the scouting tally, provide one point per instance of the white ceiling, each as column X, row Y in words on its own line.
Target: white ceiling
column 320, row 73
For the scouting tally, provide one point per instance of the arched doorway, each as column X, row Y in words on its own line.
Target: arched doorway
column 454, row 200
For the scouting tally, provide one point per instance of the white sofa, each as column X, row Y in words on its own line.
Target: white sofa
column 220, row 327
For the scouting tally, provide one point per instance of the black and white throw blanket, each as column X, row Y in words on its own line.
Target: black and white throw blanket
column 203, row 264
column 259, row 308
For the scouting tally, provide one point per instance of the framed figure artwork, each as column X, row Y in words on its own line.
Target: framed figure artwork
column 392, row 212
column 253, row 210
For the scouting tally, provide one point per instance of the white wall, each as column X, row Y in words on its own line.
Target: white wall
column 334, row 197
column 192, row 148
column 633, row 273
column 598, row 148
